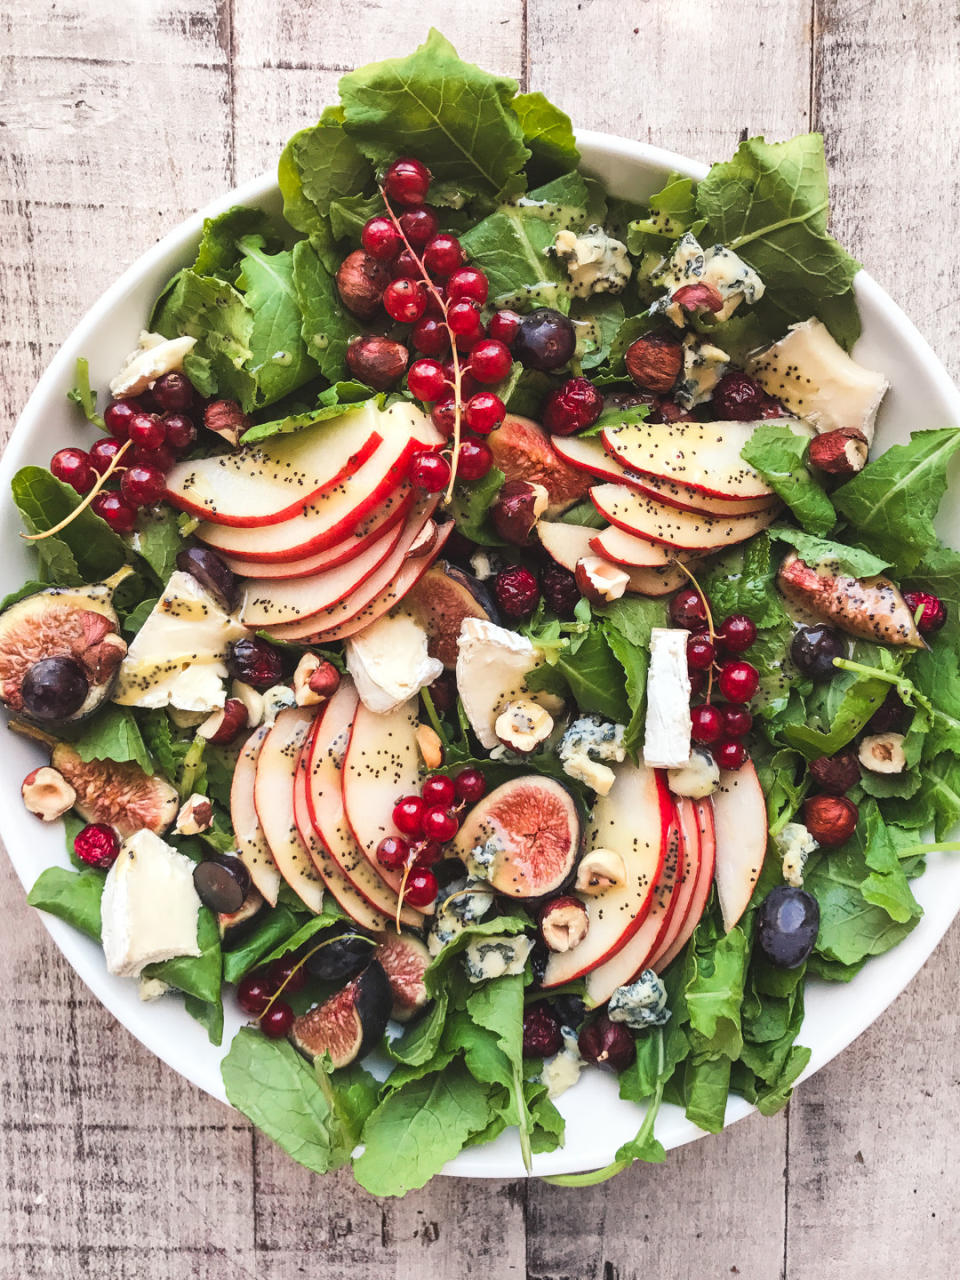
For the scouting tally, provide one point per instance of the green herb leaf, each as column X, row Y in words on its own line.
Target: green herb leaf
column 471, row 507
column 327, row 328
column 87, row 550
column 548, row 134
column 779, row 455
column 83, row 396
column 158, row 541
column 213, row 312
column 279, row 359
column 113, row 734
column 209, row 1015
column 851, row 560
column 333, row 402
column 73, row 896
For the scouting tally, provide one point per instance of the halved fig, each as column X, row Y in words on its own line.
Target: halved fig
column 233, row 924
column 404, row 959
column 350, row 1023
column 121, row 795
column 60, row 650
column 341, row 954
column 525, row 836
column 522, row 451
column 440, row 601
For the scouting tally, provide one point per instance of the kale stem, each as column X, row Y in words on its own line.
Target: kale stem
column 920, row 850
column 523, row 1120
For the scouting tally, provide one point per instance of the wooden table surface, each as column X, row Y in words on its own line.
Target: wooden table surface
column 117, row 120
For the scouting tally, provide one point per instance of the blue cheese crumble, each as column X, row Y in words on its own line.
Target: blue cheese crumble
column 562, row 1071
column 463, row 902
column 595, row 262
column 585, row 744
column 703, row 366
column 641, row 1004
column 795, row 845
column 718, row 266
column 496, row 957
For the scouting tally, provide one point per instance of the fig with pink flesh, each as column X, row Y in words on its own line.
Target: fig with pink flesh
column 349, row 1024
column 404, row 960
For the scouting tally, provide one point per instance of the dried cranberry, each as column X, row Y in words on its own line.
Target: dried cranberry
column 575, row 405
column 892, row 716
column 255, row 662
column 517, row 591
column 560, row 590
column 97, row 845
column 738, row 398
column 608, row 1044
column 541, row 1032
column 934, row 613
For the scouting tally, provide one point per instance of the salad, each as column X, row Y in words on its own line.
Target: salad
column 479, row 638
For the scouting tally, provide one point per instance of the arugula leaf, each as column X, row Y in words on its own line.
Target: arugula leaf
column 158, row 541
column 615, row 417
column 327, row 327
column 213, row 312
column 471, row 506
column 317, row 166
column 92, row 550
column 219, row 253
column 584, row 513
column 779, row 455
column 199, row 976
column 330, row 915
column 166, row 749
column 208, row 1014
column 598, row 320
column 21, row 593
column 333, row 402
column 852, row 560
column 714, row 986
column 269, row 930
column 113, row 734
column 279, row 360
column 547, row 133
column 937, row 803
column 432, row 104
column 83, row 396
column 892, row 502
column 73, row 896
column 635, row 662
column 420, row 1041
column 706, row 1084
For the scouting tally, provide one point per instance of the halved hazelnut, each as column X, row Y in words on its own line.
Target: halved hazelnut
column 226, row 419
column 251, row 698
column 224, row 725
column 698, row 297
column 431, row 748
column 840, row 453
column 522, row 725
column 599, row 870
column 883, row 753
column 314, row 680
column 518, row 507
column 600, row 580
column 196, row 815
column 424, row 541
column 563, row 923
column 47, row 793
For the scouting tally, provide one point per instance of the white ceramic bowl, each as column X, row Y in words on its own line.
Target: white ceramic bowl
column 597, row 1120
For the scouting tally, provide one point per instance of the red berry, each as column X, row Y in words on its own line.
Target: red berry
column 444, row 414
column 422, row 887
column 426, row 381
column 504, row 325
column 419, row 226
column 698, row 683
column 254, row 993
column 117, row 417
column 468, row 383
column 288, row 976
column 405, row 266
column 102, row 453
column 483, row 412
column 142, row 486
column 737, row 720
column 575, row 405
column 934, row 613
column 392, row 853
column 707, row 724
column 470, row 785
column 431, row 336
column 738, row 681
column 468, row 282
column 179, row 431
column 541, row 1032
column 737, row 398
column 408, row 815
column 688, row 610
column 277, row 1021
column 737, row 633
column 490, row 360
column 160, row 458
column 442, row 255
column 146, row 430
column 730, row 754
column 436, row 301
column 97, row 845
column 72, row 467
column 439, row 824
column 173, row 392
column 119, row 515
column 560, row 590
column 464, row 319
column 700, row 651
column 430, row 472
column 381, row 239
column 404, row 301
column 517, row 591
column 255, row 661
column 474, row 460
column 426, row 853
column 407, row 181
column 438, row 789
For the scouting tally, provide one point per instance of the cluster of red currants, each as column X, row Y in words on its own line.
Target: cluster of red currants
column 719, row 726
column 426, row 823
column 258, row 994
column 159, row 429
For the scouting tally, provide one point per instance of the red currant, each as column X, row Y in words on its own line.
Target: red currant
column 103, row 453
column 483, row 412
column 287, row 975
column 737, row 720
column 146, row 430
column 698, row 683
column 73, row 467
column 426, row 853
column 97, row 845
column 254, row 993
column 173, row 392
column 474, row 460
column 688, row 610
column 119, row 515
column 381, row 239
column 470, row 785
column 468, row 282
column 700, row 651
column 517, row 591
column 707, row 724
column 431, row 336
column 504, row 325
column 405, row 267
column 436, row 302
column 738, row 681
column 392, row 853
column 277, row 1021
column 442, row 255
column 408, row 815
column 737, row 633
column 934, row 613
column 468, row 383
column 419, row 226
column 444, row 414
column 404, row 301
column 407, row 181
column 142, row 486
column 430, row 472
column 490, row 360
column 426, row 381
column 438, row 789
column 439, row 824
column 730, row 754
column 422, row 887
column 161, row 458
column 118, row 416
column 464, row 319
column 575, row 405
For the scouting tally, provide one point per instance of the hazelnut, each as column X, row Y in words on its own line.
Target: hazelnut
column 361, row 281
column 379, row 362
column 223, row 726
column 599, row 580
column 599, row 870
column 314, row 680
column 654, row 361
column 835, row 774
column 518, row 507
column 196, row 815
column 424, row 541
column 563, row 923
column 698, row 297
column 251, row 698
column 840, row 453
column 226, row 419
column 47, row 793
column 883, row 753
column 431, row 748
column 831, row 820
column 104, row 658
column 522, row 725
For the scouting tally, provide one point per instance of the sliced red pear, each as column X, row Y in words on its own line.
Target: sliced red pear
column 568, row 543
column 273, row 797
column 702, row 455
column 701, row 891
column 630, row 550
column 252, row 847
column 683, row 892
column 685, row 530
column 265, row 483
column 590, row 455
column 268, row 603
column 632, row 958
column 632, row 820
column 740, row 828
column 355, row 905
column 381, row 766
column 373, row 527
column 324, row 797
column 656, row 582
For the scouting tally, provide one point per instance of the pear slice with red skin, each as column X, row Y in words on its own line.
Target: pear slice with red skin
column 684, row 530
column 324, row 802
column 684, row 889
column 273, row 797
column 632, row 958
column 632, row 820
column 701, row 890
column 252, row 847
column 740, row 828
column 568, row 543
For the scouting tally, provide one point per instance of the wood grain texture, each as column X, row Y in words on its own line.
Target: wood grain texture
column 115, row 121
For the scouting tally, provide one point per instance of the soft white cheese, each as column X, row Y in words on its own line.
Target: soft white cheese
column 562, row 1071
column 666, row 735
column 491, row 665
column 150, row 989
column 595, row 262
column 640, row 1004
column 496, row 957
column 703, row 367
column 699, row 777
column 155, row 356
column 276, row 699
column 149, row 909
column 588, row 741
column 795, row 845
column 389, row 662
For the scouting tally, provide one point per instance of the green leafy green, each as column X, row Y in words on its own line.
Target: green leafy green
column 279, row 360
column 332, row 402
column 743, row 580
column 547, row 133
column 82, row 395
column 87, row 550
column 73, row 896
column 208, row 1014
column 471, row 508
column 270, row 929
column 327, row 328
column 220, row 253
column 779, row 455
column 113, row 734
column 318, row 166
column 852, row 560
column 198, row 976
column 213, row 312
column 158, row 541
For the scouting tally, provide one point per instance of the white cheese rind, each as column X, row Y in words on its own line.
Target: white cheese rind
column 491, row 665
column 149, row 909
column 666, row 738
column 155, row 356
column 389, row 662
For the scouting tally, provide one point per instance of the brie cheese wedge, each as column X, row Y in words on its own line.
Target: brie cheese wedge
column 149, row 909
column 389, row 662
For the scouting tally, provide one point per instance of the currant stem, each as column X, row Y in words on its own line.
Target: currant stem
column 710, row 628
column 298, row 966
column 402, row 890
column 88, row 498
